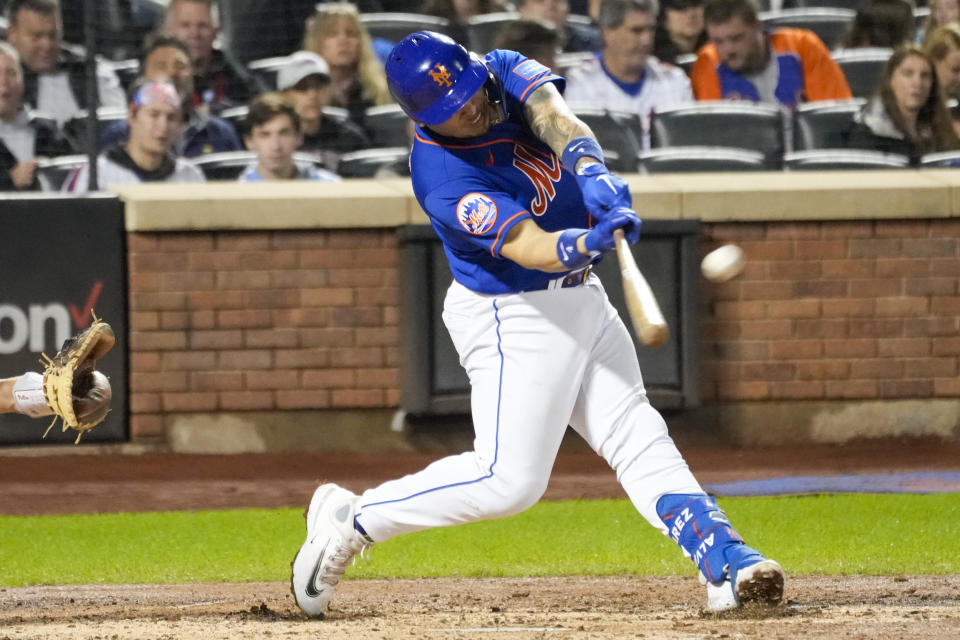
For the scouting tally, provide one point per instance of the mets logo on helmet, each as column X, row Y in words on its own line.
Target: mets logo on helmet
column 476, row 213
column 440, row 75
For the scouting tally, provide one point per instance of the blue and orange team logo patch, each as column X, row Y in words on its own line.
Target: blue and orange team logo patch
column 476, row 213
column 440, row 75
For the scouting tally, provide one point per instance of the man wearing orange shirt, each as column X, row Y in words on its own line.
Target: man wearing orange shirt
column 744, row 62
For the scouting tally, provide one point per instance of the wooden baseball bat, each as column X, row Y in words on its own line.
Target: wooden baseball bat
column 645, row 312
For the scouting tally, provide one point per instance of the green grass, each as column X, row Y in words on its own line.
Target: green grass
column 844, row 534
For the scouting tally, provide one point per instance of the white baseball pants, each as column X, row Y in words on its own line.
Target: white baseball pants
column 537, row 361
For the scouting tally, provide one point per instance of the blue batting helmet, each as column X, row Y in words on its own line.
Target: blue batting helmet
column 431, row 76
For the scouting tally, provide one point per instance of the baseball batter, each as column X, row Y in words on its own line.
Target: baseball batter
column 516, row 188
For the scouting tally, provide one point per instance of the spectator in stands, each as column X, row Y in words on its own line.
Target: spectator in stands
column 272, row 131
column 167, row 58
column 219, row 81
column 907, row 115
column 680, row 29
column 458, row 12
column 305, row 80
column 625, row 76
column 574, row 37
column 536, row 39
column 941, row 12
column 54, row 81
column 156, row 116
column 880, row 23
column 24, row 137
column 943, row 47
column 335, row 33
column 744, row 62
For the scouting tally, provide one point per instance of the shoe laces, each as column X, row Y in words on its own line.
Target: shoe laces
column 342, row 556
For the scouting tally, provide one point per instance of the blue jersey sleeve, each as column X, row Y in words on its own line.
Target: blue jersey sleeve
column 521, row 75
column 473, row 216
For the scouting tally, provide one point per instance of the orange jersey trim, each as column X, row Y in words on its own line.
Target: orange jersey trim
column 536, row 84
column 496, row 240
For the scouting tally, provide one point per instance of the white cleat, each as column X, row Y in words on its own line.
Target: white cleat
column 719, row 596
column 760, row 583
column 331, row 544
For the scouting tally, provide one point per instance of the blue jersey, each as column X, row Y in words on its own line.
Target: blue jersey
column 476, row 189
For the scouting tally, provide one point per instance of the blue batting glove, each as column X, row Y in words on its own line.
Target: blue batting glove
column 631, row 231
column 600, row 238
column 602, row 191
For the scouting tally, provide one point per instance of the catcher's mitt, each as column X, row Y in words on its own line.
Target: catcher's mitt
column 75, row 392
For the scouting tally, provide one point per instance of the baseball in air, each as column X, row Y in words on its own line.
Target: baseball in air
column 723, row 263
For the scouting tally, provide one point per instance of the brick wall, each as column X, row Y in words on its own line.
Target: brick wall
column 234, row 321
column 223, row 321
column 835, row 311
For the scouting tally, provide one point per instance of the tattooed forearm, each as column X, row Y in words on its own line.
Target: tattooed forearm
column 552, row 120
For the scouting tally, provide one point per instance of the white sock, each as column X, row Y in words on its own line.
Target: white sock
column 29, row 397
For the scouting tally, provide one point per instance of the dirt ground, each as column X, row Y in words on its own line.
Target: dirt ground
column 564, row 607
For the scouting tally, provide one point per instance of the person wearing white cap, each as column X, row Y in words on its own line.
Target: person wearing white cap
column 305, row 80
column 156, row 116
column 272, row 131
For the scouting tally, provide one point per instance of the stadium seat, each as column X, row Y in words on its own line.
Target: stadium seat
column 699, row 159
column 863, row 68
column 121, row 25
column 567, row 62
column 387, row 125
column 586, row 25
column 336, row 113
column 920, row 15
column 76, row 128
column 127, row 70
column 229, row 165
column 254, row 29
column 395, row 26
column 52, row 172
column 823, row 125
column 828, row 24
column 829, row 159
column 616, row 131
column 224, row 166
column 822, row 4
column 483, row 29
column 366, row 162
column 266, row 69
column 236, row 116
column 942, row 159
column 722, row 123
column 685, row 61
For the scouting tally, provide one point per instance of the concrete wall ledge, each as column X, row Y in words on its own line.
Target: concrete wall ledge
column 750, row 424
column 710, row 197
column 821, row 422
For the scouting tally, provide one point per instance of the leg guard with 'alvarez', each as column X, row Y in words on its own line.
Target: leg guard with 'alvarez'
column 734, row 573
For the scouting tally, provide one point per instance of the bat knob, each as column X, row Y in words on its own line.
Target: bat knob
column 654, row 335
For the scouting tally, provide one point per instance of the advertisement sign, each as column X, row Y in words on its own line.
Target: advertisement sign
column 60, row 259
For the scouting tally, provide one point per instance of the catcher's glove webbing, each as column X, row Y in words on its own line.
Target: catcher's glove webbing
column 75, row 392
